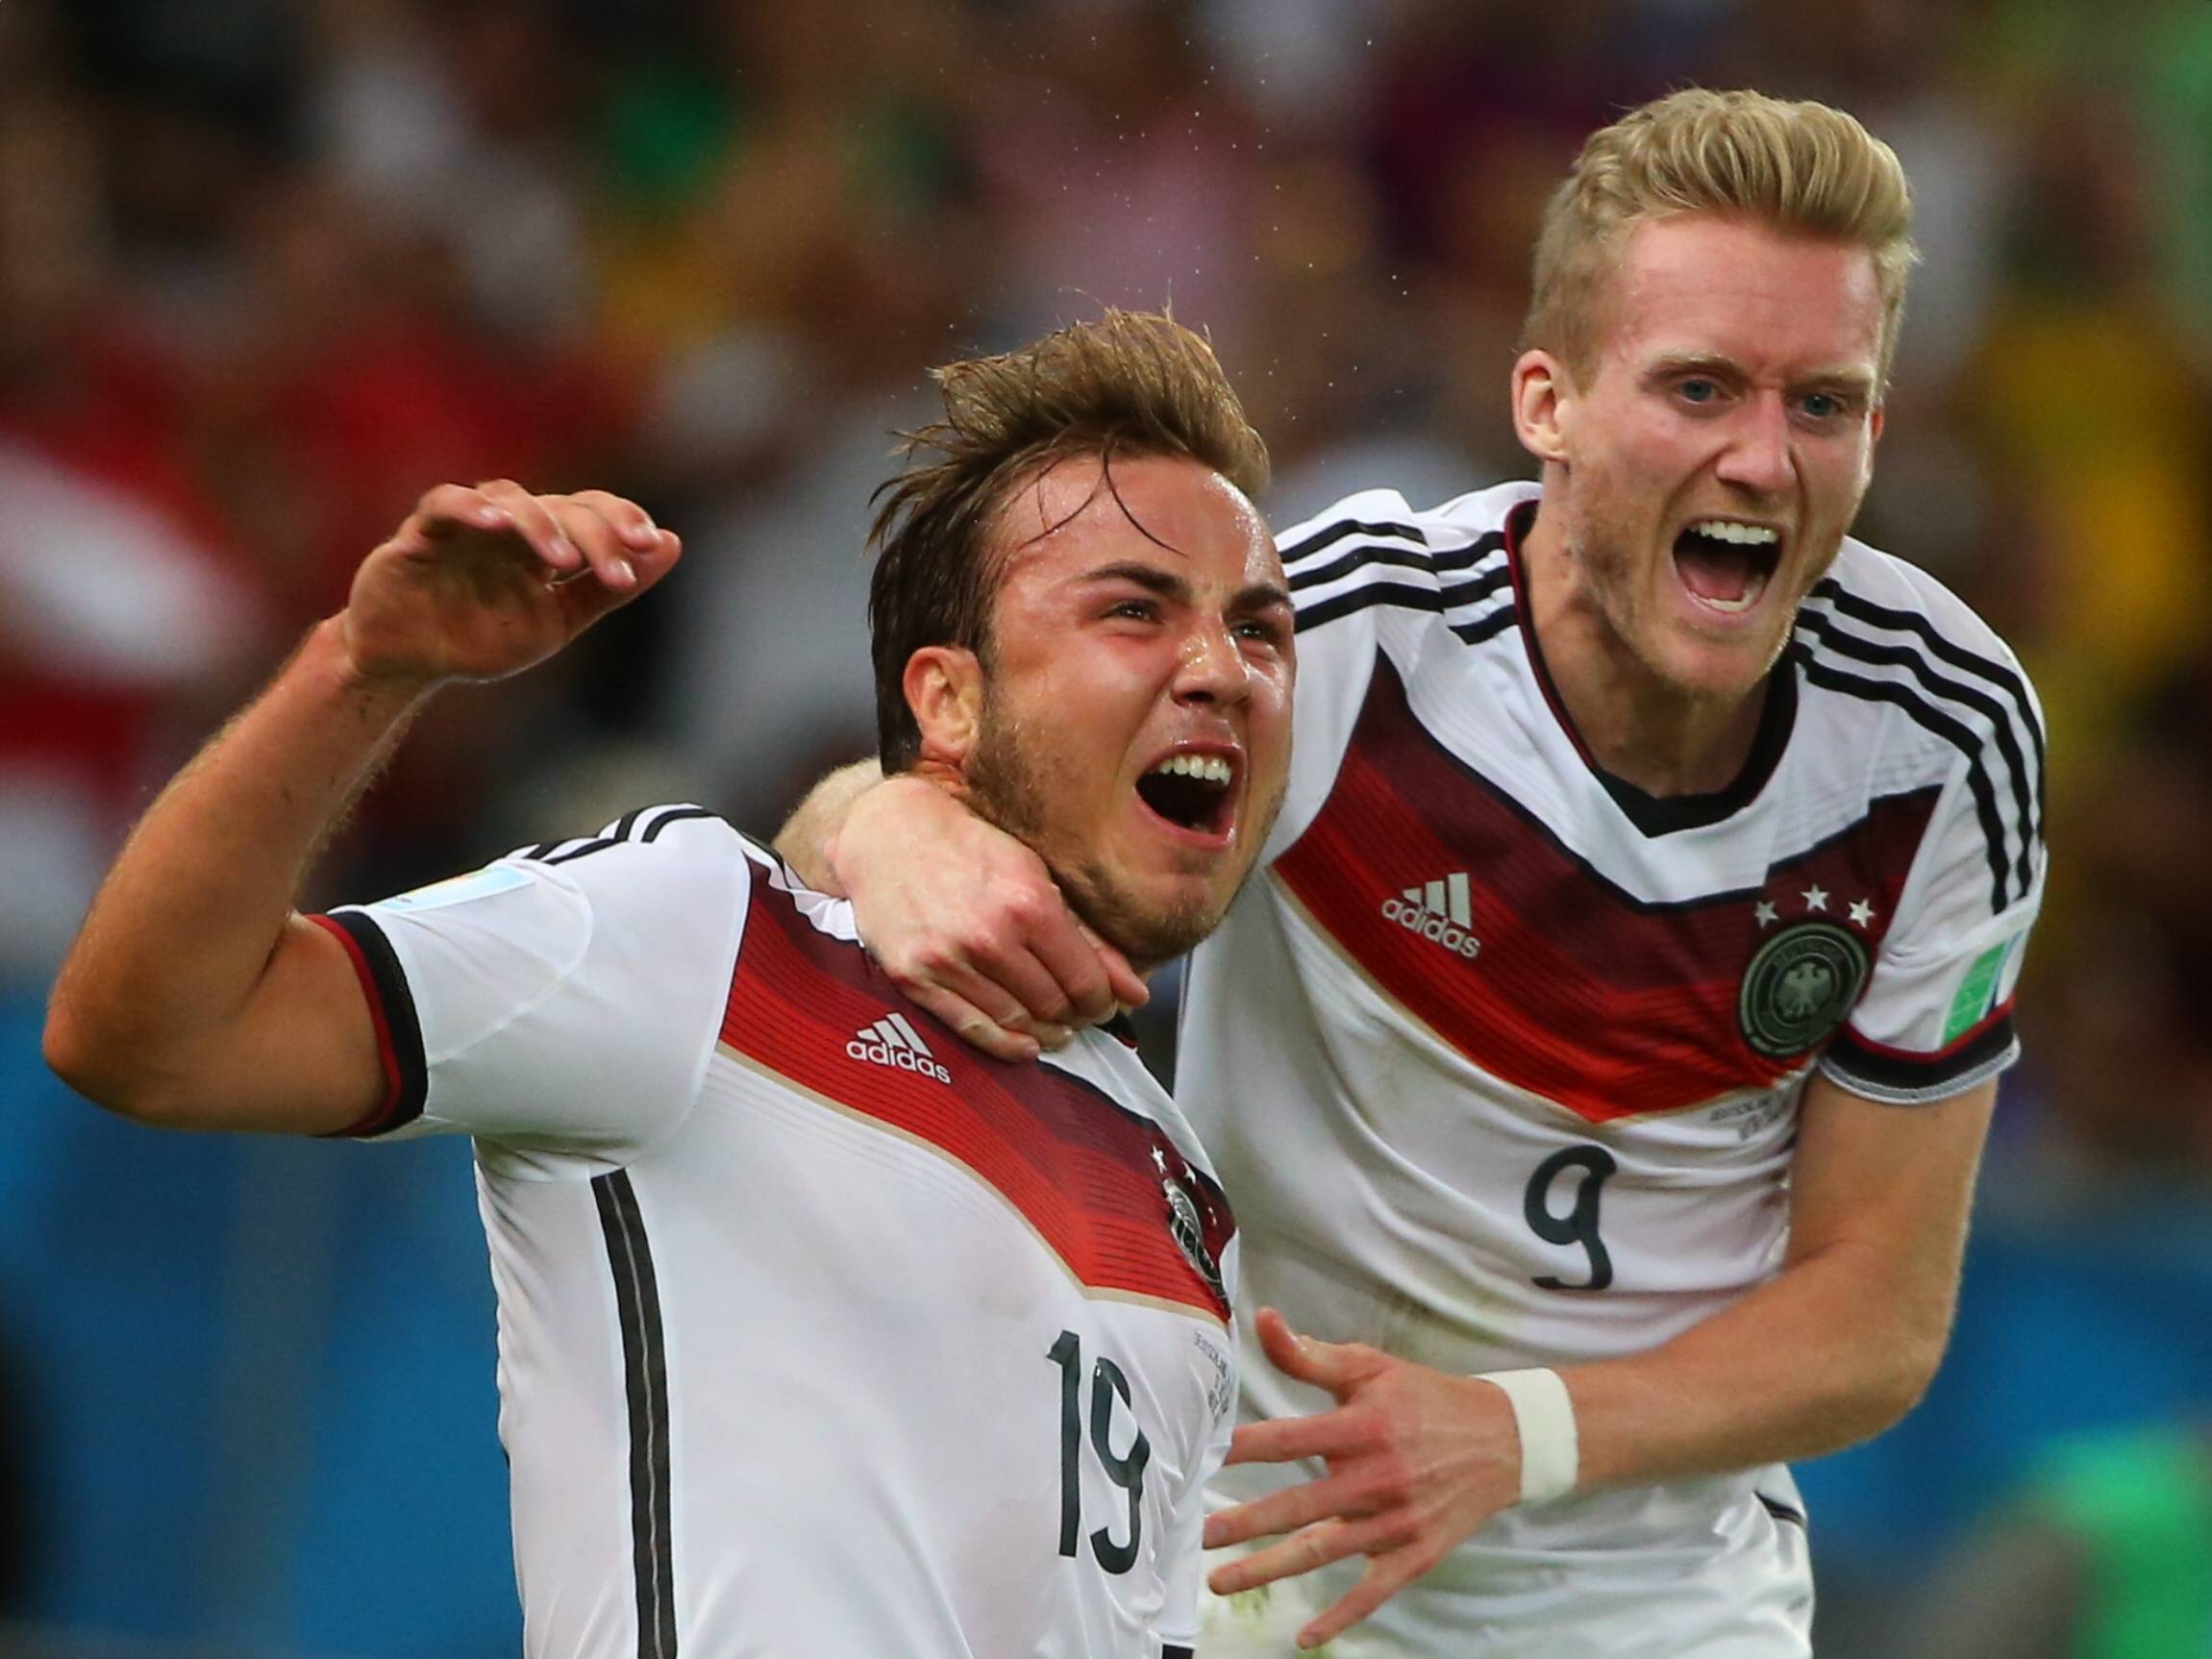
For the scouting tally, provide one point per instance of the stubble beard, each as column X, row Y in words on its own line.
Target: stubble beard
column 1635, row 623
column 1003, row 788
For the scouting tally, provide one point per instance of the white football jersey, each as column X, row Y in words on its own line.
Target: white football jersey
column 819, row 1333
column 1502, row 1060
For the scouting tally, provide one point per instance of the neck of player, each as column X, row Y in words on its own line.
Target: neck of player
column 1635, row 725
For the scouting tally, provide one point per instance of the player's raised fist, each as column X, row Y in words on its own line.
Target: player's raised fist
column 484, row 582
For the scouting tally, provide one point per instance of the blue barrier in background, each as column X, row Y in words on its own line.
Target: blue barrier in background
column 259, row 1376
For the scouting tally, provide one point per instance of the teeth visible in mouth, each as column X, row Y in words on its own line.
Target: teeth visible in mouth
column 1742, row 534
column 1206, row 768
column 1743, row 601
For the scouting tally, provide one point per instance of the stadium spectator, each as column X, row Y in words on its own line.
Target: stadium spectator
column 1622, row 1020
column 919, row 1353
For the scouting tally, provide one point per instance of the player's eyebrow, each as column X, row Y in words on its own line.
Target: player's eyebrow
column 1262, row 596
column 1149, row 577
column 1857, row 380
column 1258, row 596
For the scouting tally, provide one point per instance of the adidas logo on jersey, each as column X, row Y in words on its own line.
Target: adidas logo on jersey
column 891, row 1042
column 1438, row 910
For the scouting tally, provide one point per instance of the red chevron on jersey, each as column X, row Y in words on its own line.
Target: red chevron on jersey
column 1105, row 1187
column 1577, row 991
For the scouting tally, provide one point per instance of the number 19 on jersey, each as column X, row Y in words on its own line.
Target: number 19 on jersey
column 1125, row 1469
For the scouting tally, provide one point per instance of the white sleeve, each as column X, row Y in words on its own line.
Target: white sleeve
column 1371, row 575
column 1936, row 1016
column 568, row 995
column 1343, row 566
column 1184, row 1551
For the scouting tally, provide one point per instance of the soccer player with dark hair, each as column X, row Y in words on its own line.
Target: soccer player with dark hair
column 820, row 1332
column 1602, row 1065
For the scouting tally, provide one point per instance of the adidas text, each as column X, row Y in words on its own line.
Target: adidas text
column 903, row 1059
column 1439, row 911
column 892, row 1042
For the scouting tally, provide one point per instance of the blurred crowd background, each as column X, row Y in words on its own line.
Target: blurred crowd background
column 269, row 268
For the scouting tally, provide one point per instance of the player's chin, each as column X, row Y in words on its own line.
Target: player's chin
column 1720, row 664
column 1166, row 917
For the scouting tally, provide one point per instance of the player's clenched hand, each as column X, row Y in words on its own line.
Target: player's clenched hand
column 968, row 922
column 1416, row 1461
column 488, row 581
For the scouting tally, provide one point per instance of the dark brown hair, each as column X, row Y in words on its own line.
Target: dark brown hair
column 1133, row 382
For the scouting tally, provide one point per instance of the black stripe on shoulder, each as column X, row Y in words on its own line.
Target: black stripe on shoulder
column 1956, row 732
column 1368, row 554
column 1329, row 534
column 675, row 815
column 626, row 829
column 581, row 850
column 1489, row 626
column 1833, row 635
column 1171, row 1652
column 1909, row 1078
column 645, row 1389
column 402, row 1024
column 1998, row 674
column 1405, row 596
column 613, row 835
column 1788, row 1513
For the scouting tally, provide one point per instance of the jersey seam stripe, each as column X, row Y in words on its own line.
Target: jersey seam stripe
column 1329, row 534
column 645, row 1388
column 1612, row 889
column 1832, row 636
column 1801, row 1066
column 1469, row 558
column 392, row 1010
column 1402, row 595
column 1927, row 716
column 1105, row 1098
column 1998, row 674
column 1216, row 1309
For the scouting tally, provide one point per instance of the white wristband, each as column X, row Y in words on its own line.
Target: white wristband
column 1544, row 1413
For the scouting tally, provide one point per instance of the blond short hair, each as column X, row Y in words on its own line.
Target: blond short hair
column 1130, row 384
column 1803, row 168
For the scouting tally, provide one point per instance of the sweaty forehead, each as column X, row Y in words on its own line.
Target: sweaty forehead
column 1694, row 284
column 1163, row 509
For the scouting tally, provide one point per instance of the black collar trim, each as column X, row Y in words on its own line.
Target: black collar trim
column 1655, row 815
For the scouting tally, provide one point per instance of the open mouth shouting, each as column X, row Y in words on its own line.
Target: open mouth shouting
column 1725, row 564
column 1193, row 792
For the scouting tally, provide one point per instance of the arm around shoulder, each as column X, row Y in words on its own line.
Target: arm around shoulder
column 809, row 835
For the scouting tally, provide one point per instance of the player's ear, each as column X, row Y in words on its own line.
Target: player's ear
column 1540, row 382
column 944, row 687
